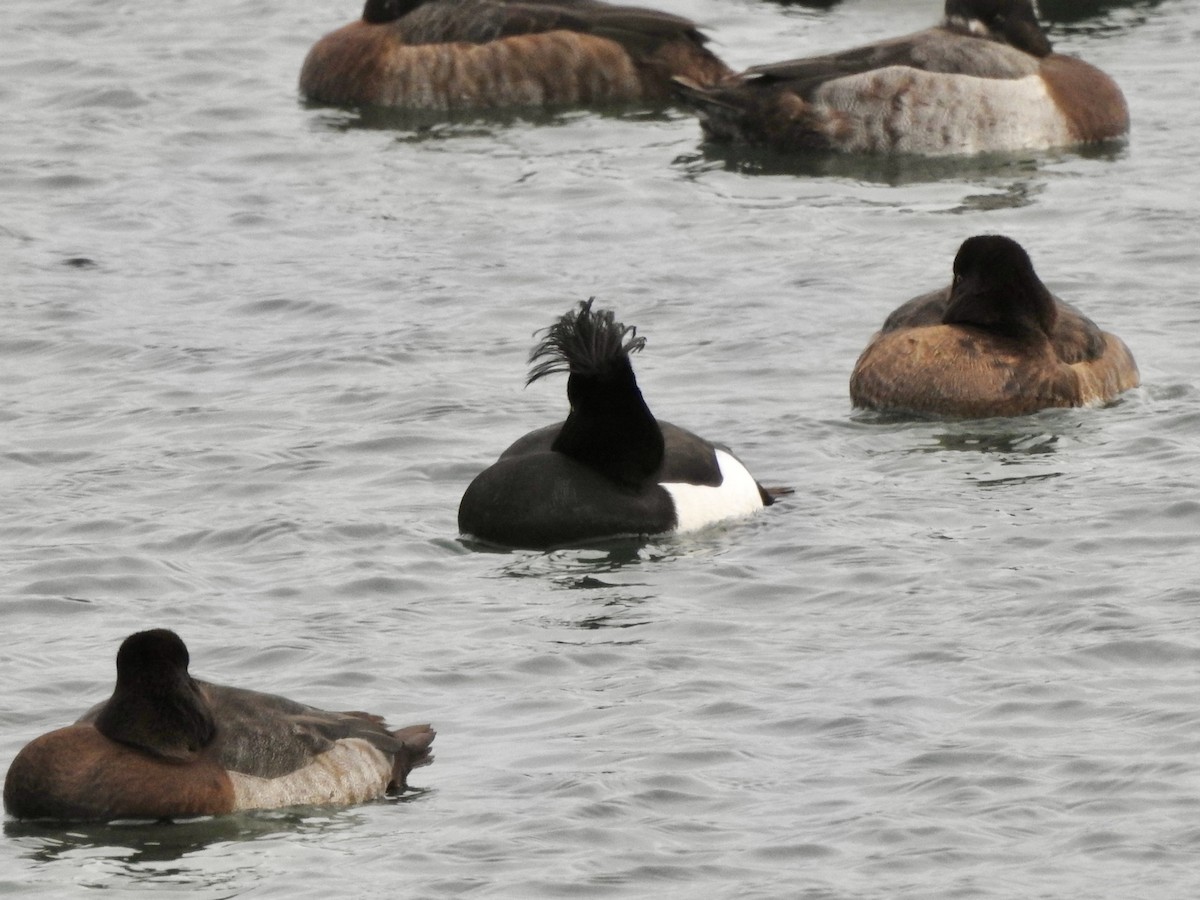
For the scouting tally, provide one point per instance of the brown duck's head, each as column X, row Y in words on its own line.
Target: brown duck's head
column 156, row 706
column 996, row 288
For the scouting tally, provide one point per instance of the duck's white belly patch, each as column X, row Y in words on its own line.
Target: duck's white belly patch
column 698, row 505
column 904, row 110
column 353, row 771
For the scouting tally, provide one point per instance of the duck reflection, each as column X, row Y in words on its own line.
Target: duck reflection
column 416, row 125
column 1007, row 443
column 1007, row 456
column 1016, row 176
column 144, row 851
column 616, row 611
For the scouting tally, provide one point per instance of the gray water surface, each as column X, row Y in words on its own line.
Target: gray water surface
column 254, row 351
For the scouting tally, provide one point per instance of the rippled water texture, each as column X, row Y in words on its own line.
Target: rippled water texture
column 253, row 352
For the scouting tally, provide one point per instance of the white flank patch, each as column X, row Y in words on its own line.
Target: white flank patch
column 698, row 505
column 354, row 771
column 903, row 110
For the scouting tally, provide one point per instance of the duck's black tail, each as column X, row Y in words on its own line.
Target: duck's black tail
column 414, row 752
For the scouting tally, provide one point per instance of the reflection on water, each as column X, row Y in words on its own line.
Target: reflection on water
column 581, row 567
column 1039, row 434
column 158, row 855
column 1012, row 196
column 616, row 610
column 1000, row 441
column 142, row 841
column 1015, row 479
column 419, row 125
column 570, row 567
column 894, row 171
column 155, row 855
column 607, row 554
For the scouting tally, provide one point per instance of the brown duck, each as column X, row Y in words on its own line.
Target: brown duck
column 495, row 54
column 995, row 342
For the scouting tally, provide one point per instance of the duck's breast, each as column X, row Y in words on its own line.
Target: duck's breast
column 78, row 773
column 1092, row 104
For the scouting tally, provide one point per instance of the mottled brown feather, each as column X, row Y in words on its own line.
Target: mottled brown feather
column 1075, row 337
column 995, row 342
column 967, row 372
column 623, row 60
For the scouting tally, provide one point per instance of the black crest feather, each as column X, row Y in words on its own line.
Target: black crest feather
column 583, row 342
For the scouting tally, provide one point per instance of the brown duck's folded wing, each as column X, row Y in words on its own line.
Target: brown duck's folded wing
column 1075, row 339
column 481, row 21
column 268, row 736
column 641, row 31
column 933, row 50
column 926, row 309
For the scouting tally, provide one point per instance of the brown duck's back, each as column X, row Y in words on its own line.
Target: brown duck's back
column 967, row 372
column 366, row 64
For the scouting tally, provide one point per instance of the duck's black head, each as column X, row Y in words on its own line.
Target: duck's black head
column 995, row 287
column 156, row 706
column 609, row 428
column 1013, row 21
column 380, row 12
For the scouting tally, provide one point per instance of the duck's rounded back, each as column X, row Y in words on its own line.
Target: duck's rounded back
column 495, row 54
column 996, row 342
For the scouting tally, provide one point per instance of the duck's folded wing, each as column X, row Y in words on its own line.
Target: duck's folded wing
column 933, row 50
column 267, row 736
column 480, row 21
column 640, row 31
column 1075, row 338
column 919, row 312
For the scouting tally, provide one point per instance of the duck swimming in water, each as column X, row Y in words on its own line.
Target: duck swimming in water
column 167, row 745
column 995, row 342
column 986, row 79
column 611, row 468
column 496, row 54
